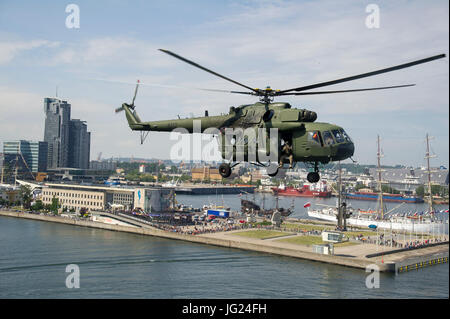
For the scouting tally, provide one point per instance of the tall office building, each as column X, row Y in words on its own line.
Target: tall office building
column 23, row 157
column 79, row 144
column 56, row 134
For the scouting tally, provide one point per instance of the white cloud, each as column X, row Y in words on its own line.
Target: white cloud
column 21, row 109
column 9, row 50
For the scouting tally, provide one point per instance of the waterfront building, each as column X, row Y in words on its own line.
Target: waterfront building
column 24, row 158
column 77, row 175
column 408, row 179
column 10, row 194
column 103, row 165
column 206, row 173
column 98, row 197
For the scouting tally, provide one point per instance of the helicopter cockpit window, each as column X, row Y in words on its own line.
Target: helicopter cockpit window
column 327, row 138
column 339, row 136
column 314, row 137
column 346, row 137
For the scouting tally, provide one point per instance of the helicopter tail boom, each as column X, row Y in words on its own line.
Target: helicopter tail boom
column 132, row 117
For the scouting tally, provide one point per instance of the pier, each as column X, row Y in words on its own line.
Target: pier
column 213, row 189
column 355, row 256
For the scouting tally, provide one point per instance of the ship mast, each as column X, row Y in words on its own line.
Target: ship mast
column 428, row 156
column 379, row 170
column 339, row 217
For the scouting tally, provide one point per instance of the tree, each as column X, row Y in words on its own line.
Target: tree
column 54, row 205
column 38, row 205
column 420, row 191
column 26, row 196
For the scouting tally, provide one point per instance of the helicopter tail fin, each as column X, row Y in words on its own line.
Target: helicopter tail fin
column 132, row 117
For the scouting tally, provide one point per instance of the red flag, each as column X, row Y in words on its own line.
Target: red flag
column 308, row 204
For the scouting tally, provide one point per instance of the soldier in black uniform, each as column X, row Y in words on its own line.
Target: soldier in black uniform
column 286, row 152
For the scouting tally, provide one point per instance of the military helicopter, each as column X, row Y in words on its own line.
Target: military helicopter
column 310, row 142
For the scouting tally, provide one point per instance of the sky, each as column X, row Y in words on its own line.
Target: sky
column 283, row 44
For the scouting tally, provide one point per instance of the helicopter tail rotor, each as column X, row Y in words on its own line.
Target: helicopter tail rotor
column 131, row 106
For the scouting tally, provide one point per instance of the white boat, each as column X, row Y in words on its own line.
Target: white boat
column 418, row 223
column 399, row 223
column 171, row 184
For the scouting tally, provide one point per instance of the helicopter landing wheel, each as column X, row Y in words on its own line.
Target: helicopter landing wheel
column 225, row 170
column 313, row 177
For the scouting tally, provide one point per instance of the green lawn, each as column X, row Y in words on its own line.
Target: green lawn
column 261, row 234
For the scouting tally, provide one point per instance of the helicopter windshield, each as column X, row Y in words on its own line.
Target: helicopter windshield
column 341, row 136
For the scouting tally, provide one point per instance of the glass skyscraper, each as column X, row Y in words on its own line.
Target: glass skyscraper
column 68, row 140
column 56, row 134
column 26, row 156
column 79, row 144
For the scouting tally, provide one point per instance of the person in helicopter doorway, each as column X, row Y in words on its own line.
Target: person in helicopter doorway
column 286, row 152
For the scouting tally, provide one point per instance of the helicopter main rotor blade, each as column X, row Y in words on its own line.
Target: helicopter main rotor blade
column 175, row 86
column 225, row 91
column 345, row 91
column 363, row 75
column 207, row 70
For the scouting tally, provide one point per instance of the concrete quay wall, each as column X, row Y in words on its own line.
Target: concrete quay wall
column 198, row 190
column 204, row 239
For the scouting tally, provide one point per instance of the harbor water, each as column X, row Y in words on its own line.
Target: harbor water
column 121, row 265
column 233, row 201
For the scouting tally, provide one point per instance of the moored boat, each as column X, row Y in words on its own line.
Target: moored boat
column 307, row 190
column 398, row 198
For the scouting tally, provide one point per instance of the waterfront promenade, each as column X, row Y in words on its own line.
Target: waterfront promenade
column 353, row 255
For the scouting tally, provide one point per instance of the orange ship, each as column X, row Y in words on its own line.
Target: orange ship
column 308, row 190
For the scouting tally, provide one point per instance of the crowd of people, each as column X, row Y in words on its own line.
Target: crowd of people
column 393, row 242
column 184, row 226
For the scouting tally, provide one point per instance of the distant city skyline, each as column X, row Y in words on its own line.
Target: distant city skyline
column 279, row 43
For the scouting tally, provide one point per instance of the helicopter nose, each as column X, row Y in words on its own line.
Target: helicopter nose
column 344, row 151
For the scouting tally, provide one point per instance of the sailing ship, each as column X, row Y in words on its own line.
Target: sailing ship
column 412, row 222
column 250, row 207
